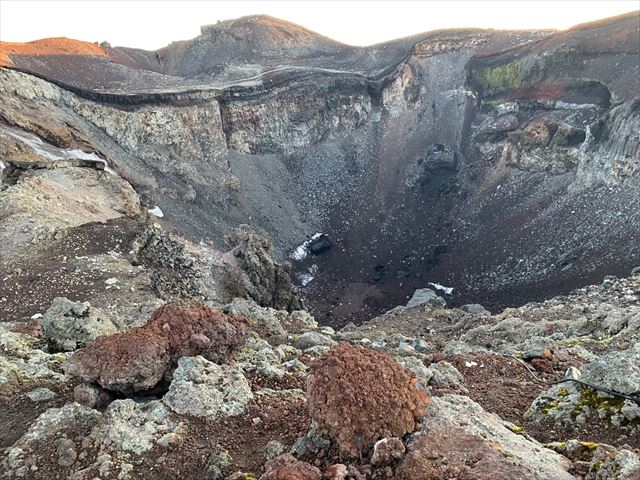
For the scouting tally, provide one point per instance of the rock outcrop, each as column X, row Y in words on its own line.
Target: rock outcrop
column 269, row 282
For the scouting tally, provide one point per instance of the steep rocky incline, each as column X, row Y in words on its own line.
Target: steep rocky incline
column 501, row 164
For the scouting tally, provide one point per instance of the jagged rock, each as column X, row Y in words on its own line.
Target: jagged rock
column 569, row 403
column 127, row 426
column 68, row 325
column 286, row 467
column 269, row 282
column 337, row 471
column 126, row 362
column 23, row 365
column 204, row 389
column 314, row 339
column 417, row 366
column 139, row 358
column 195, row 329
column 387, row 451
column 379, row 396
column 476, row 309
column 260, row 357
column 608, row 462
column 618, row 371
column 445, row 375
column 459, row 438
column 311, row 442
column 426, row 296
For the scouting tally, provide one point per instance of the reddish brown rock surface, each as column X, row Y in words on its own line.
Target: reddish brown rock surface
column 48, row 46
column 286, row 467
column 195, row 329
column 361, row 395
column 138, row 359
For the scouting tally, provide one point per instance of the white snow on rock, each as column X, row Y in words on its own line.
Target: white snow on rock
column 53, row 153
column 446, row 290
column 301, row 251
column 156, row 211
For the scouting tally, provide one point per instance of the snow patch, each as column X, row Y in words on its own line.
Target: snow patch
column 53, row 153
column 446, row 290
column 301, row 251
column 308, row 276
column 156, row 211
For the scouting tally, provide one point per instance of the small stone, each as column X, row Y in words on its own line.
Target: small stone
column 111, row 281
column 387, row 451
column 91, row 396
column 168, row 439
column 217, row 463
column 36, row 316
column 273, row 449
column 41, row 394
column 420, row 345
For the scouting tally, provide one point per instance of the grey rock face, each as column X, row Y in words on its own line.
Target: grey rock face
column 619, row 371
column 128, row 426
column 205, row 389
column 426, row 296
column 269, row 282
column 71, row 325
column 264, row 320
column 314, row 339
column 452, row 418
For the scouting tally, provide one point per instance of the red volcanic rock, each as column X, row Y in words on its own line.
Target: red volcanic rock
column 360, row 395
column 139, row 358
column 195, row 329
column 125, row 362
column 286, row 467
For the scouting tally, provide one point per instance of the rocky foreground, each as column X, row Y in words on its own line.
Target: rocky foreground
column 134, row 382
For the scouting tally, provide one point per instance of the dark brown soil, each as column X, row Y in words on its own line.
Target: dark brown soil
column 18, row 412
column 31, row 280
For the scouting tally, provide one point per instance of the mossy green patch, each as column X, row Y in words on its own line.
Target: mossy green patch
column 508, row 76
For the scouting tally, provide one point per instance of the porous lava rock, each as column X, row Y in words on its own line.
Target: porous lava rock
column 286, row 467
column 195, row 329
column 125, row 362
column 360, row 395
column 139, row 358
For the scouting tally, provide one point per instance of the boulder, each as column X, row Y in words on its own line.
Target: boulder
column 204, row 389
column 426, row 296
column 67, row 325
column 139, row 358
column 314, row 339
column 460, row 440
column 377, row 395
column 125, row 362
